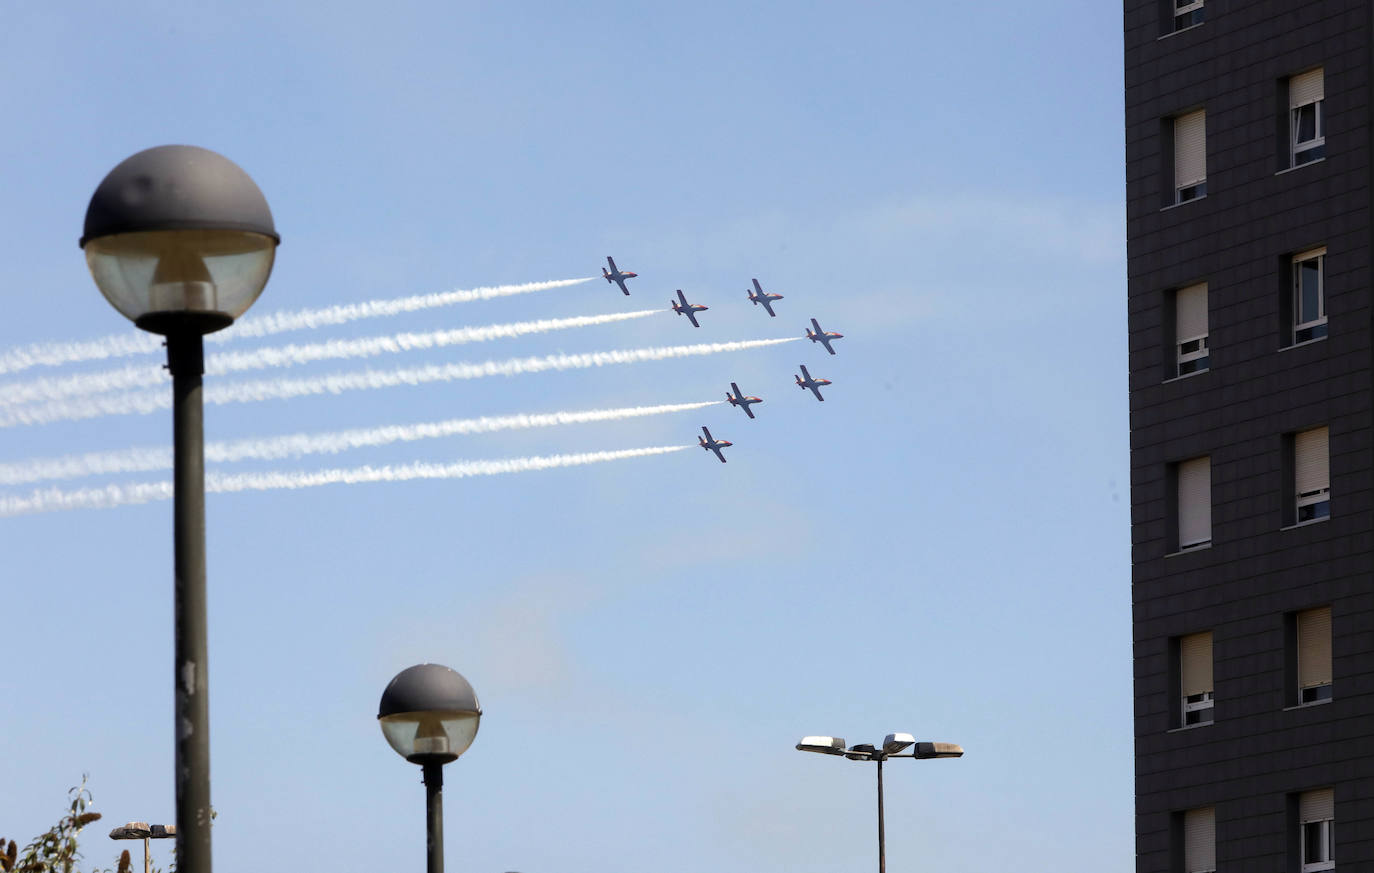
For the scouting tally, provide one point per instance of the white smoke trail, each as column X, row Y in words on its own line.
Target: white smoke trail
column 56, row 499
column 53, row 354
column 138, row 375
column 143, row 402
column 142, row 460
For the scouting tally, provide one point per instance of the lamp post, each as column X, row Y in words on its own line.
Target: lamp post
column 429, row 714
column 893, row 746
column 181, row 242
column 141, row 830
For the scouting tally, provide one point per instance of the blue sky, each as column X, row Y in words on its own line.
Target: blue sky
column 941, row 547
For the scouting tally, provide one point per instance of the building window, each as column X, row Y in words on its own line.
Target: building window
column 1308, row 299
column 1312, row 647
column 1193, row 480
column 1311, row 475
column 1317, row 830
column 1200, row 840
column 1306, row 118
column 1186, row 13
column 1195, row 679
column 1190, row 156
column 1190, row 329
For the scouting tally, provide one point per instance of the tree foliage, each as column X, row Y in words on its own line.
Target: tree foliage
column 56, row 851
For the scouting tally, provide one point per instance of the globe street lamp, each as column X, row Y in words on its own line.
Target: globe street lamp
column 429, row 714
column 893, row 746
column 180, row 240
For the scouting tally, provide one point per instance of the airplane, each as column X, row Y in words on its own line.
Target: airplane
column 616, row 276
column 688, row 309
column 739, row 399
column 813, row 384
column 758, row 296
column 711, row 444
column 824, row 337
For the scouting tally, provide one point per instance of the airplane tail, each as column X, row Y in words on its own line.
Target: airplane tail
column 606, row 275
column 752, row 299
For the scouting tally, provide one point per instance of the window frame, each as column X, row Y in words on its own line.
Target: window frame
column 1316, row 693
column 1179, row 502
column 1303, row 152
column 1325, row 837
column 1193, row 188
column 1313, row 505
column 1317, row 327
column 1199, row 358
column 1187, row 13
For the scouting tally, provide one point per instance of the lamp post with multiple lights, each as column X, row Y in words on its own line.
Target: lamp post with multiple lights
column 430, row 714
column 894, row 745
column 181, row 242
column 141, row 830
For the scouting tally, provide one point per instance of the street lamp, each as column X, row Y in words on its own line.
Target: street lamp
column 180, row 240
column 429, row 714
column 893, row 747
column 141, row 830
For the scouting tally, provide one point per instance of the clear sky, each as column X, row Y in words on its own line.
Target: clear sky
column 941, row 547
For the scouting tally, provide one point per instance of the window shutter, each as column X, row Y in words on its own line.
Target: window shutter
column 1195, row 656
column 1194, row 501
column 1200, row 839
column 1311, row 461
column 1306, row 88
column 1190, row 312
column 1314, row 647
column 1319, row 805
column 1190, row 148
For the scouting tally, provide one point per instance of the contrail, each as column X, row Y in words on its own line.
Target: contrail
column 52, row 354
column 142, row 460
column 56, row 499
column 140, row 375
column 143, row 402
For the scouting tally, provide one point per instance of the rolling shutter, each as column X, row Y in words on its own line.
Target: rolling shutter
column 1190, row 312
column 1200, row 840
column 1194, row 502
column 1306, row 88
column 1311, row 461
column 1190, row 149
column 1319, row 805
column 1195, row 656
column 1314, row 647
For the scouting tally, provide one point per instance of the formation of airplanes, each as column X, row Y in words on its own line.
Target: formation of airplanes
column 735, row 396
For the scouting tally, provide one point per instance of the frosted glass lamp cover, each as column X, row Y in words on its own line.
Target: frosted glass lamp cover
column 179, row 238
column 429, row 714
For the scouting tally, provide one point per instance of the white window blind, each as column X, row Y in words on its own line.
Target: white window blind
column 1311, row 461
column 1195, row 656
column 1194, row 502
column 1190, row 149
column 1314, row 647
column 1200, row 840
column 1306, row 88
column 1319, row 805
column 1190, row 312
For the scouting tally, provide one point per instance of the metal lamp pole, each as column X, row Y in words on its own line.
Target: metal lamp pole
column 430, row 715
column 893, row 747
column 181, row 241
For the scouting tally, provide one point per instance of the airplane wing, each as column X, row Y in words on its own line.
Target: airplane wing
column 709, row 438
column 817, row 326
column 768, row 305
column 720, row 454
column 610, row 260
column 817, row 391
column 805, row 375
column 735, row 388
column 757, row 289
column 692, row 317
column 747, row 411
column 621, row 283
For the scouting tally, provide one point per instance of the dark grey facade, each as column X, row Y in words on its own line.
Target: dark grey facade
column 1263, row 749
